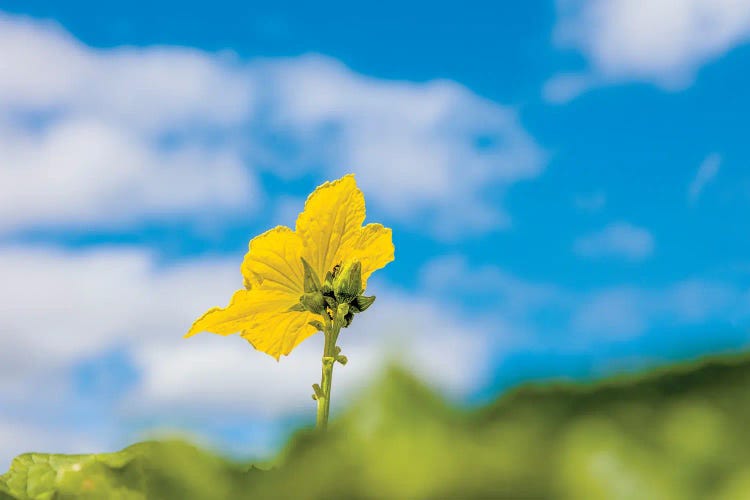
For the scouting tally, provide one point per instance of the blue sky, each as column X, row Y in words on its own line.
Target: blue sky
column 567, row 183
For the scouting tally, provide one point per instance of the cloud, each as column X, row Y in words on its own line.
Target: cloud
column 99, row 138
column 152, row 89
column 564, row 87
column 552, row 316
column 617, row 240
column 83, row 173
column 21, row 436
column 417, row 149
column 214, row 375
column 59, row 308
column 627, row 311
column 704, row 176
column 515, row 298
column 663, row 42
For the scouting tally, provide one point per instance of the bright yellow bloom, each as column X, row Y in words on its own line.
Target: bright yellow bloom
column 328, row 232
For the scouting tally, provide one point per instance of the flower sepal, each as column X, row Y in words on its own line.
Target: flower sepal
column 311, row 281
column 361, row 303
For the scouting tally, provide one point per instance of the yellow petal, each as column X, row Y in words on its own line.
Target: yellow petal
column 262, row 318
column 373, row 248
column 242, row 312
column 332, row 218
column 278, row 333
column 231, row 319
column 273, row 259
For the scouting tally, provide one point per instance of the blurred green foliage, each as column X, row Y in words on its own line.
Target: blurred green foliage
column 679, row 433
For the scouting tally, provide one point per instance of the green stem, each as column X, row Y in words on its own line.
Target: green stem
column 331, row 332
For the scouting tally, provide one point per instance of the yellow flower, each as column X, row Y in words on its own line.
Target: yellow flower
column 328, row 233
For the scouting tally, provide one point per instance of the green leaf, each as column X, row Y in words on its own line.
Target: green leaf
column 145, row 470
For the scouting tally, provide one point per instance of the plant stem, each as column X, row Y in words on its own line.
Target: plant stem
column 331, row 332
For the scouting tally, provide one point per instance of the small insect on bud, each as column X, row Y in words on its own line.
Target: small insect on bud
column 347, row 284
column 313, row 302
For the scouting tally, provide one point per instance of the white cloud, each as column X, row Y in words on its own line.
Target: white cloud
column 82, row 129
column 58, row 307
column 104, row 137
column 211, row 374
column 416, row 148
column 705, row 175
column 514, row 297
column 152, row 89
column 663, row 42
column 286, row 210
column 83, row 172
column 20, row 436
column 564, row 87
column 61, row 307
column 523, row 308
column 617, row 240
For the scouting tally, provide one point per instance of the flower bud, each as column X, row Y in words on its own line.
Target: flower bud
column 327, row 286
column 313, row 302
column 347, row 284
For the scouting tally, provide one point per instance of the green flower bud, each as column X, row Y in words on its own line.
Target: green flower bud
column 313, row 302
column 312, row 282
column 347, row 284
column 327, row 286
column 342, row 310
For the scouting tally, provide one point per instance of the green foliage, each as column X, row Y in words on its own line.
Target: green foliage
column 676, row 434
column 145, row 470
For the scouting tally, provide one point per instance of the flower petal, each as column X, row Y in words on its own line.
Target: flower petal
column 245, row 308
column 332, row 218
column 273, row 259
column 280, row 332
column 373, row 248
column 263, row 319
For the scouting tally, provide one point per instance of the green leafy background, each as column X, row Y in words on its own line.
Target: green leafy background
column 679, row 433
